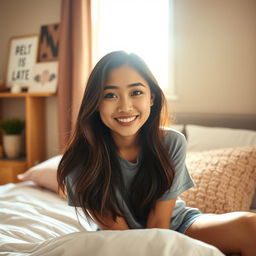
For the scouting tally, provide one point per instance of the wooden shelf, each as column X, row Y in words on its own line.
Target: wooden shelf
column 10, row 169
column 5, row 161
column 25, row 94
column 34, row 135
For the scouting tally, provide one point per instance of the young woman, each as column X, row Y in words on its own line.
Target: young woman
column 126, row 171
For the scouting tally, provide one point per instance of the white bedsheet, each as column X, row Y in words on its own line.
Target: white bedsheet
column 34, row 221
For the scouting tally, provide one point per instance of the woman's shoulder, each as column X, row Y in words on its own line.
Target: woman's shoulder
column 173, row 138
column 172, row 134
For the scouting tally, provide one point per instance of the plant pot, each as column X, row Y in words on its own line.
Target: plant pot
column 12, row 145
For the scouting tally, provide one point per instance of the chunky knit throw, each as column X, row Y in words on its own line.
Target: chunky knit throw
column 225, row 179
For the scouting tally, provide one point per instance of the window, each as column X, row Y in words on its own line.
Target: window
column 140, row 26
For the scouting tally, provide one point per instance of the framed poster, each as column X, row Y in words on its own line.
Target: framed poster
column 22, row 57
column 44, row 77
column 49, row 42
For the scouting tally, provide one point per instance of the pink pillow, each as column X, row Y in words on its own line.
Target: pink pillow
column 225, row 179
column 44, row 174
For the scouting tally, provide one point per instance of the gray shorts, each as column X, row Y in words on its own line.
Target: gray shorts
column 189, row 219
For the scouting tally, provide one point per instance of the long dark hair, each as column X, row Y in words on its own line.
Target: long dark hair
column 91, row 153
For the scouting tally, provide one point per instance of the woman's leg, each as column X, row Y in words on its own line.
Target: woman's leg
column 230, row 232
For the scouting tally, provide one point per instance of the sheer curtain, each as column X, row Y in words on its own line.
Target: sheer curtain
column 74, row 63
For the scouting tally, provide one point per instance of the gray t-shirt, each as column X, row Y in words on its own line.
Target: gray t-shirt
column 176, row 144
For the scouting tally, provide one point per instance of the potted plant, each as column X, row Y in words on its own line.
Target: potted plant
column 12, row 129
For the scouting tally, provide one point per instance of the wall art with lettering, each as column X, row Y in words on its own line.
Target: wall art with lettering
column 22, row 57
column 49, row 42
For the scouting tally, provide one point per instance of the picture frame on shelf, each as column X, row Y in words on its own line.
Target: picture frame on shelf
column 44, row 77
column 49, row 42
column 23, row 52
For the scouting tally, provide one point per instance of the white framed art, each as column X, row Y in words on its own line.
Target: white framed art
column 23, row 52
column 44, row 77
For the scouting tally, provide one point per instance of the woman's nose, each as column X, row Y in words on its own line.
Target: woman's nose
column 125, row 104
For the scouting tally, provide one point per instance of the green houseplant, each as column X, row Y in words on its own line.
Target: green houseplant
column 12, row 129
column 12, row 126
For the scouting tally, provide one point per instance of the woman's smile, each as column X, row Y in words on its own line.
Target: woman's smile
column 126, row 120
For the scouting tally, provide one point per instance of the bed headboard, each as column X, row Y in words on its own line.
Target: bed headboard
column 238, row 121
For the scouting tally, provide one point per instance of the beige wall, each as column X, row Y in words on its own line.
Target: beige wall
column 25, row 17
column 215, row 50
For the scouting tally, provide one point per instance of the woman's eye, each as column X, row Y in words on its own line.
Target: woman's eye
column 137, row 93
column 109, row 95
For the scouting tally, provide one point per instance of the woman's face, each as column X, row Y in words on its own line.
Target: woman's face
column 126, row 102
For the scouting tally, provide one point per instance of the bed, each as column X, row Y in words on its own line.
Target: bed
column 35, row 220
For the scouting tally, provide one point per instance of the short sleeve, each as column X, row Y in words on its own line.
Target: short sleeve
column 177, row 147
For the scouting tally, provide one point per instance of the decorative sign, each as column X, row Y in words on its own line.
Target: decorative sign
column 49, row 42
column 44, row 77
column 22, row 57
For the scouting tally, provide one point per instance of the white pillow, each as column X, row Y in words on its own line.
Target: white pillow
column 202, row 138
column 178, row 127
column 143, row 242
column 44, row 174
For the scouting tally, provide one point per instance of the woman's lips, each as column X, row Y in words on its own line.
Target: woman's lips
column 126, row 120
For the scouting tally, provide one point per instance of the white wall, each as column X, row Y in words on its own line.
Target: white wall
column 215, row 56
